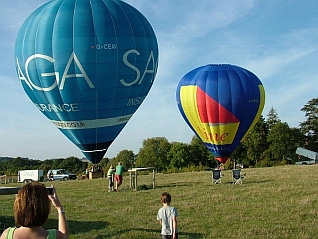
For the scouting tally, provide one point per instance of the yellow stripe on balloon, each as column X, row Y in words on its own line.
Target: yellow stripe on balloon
column 260, row 109
column 217, row 134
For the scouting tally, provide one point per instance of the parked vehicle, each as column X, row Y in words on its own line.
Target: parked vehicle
column 311, row 155
column 305, row 162
column 26, row 176
column 60, row 174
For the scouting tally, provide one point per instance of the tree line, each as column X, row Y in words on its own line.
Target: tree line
column 271, row 143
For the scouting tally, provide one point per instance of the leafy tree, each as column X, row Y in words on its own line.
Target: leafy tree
column 19, row 163
column 200, row 155
column 46, row 165
column 240, row 156
column 272, row 118
column 57, row 163
column 179, row 155
column 104, row 163
column 299, row 138
column 310, row 126
column 282, row 143
column 154, row 153
column 127, row 158
column 74, row 165
column 255, row 142
column 71, row 164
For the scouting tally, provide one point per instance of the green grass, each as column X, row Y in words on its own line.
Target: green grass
column 278, row 202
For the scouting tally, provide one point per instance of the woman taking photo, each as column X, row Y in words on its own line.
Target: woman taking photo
column 31, row 210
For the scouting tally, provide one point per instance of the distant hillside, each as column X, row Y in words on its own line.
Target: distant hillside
column 9, row 158
column 5, row 158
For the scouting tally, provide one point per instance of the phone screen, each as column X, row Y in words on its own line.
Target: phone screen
column 50, row 190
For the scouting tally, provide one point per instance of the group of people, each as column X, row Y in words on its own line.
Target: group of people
column 118, row 178
column 33, row 203
column 167, row 215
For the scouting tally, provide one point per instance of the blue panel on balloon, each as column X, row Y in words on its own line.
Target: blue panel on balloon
column 87, row 65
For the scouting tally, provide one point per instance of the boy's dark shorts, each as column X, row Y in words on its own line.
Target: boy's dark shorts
column 169, row 236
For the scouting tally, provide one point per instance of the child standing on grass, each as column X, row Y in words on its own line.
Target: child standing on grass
column 167, row 215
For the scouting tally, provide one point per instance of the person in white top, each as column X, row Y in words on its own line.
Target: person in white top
column 167, row 216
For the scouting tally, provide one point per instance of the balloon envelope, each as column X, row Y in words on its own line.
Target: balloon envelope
column 87, row 65
column 221, row 104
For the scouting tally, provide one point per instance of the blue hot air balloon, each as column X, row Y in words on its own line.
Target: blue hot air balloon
column 221, row 104
column 87, row 65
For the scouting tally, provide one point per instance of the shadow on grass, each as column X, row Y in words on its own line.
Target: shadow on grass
column 181, row 184
column 251, row 182
column 87, row 226
column 78, row 226
column 144, row 187
column 260, row 181
column 157, row 232
column 75, row 226
column 146, row 234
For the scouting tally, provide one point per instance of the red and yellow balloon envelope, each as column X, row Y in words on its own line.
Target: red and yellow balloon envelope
column 221, row 103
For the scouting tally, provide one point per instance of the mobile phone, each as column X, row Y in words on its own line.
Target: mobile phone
column 50, row 190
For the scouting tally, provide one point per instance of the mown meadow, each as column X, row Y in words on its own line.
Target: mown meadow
column 276, row 202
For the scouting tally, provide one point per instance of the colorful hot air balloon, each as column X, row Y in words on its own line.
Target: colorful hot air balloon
column 87, row 65
column 221, row 104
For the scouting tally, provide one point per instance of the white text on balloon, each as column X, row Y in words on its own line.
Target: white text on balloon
column 73, row 58
column 127, row 63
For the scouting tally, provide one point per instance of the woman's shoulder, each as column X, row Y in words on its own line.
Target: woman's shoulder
column 4, row 233
column 8, row 233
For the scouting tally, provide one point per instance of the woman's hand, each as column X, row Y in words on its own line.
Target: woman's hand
column 55, row 200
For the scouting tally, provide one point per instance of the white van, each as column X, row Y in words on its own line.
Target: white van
column 60, row 174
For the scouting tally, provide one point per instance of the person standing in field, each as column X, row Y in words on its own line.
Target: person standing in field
column 51, row 178
column 87, row 173
column 167, row 216
column 119, row 175
column 32, row 207
column 110, row 176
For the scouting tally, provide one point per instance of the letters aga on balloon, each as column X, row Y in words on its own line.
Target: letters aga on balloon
column 87, row 65
column 221, row 103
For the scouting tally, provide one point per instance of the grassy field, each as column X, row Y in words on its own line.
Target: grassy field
column 278, row 202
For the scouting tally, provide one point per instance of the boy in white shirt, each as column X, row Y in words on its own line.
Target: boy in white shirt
column 167, row 215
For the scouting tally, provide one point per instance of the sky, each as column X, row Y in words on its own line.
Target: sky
column 276, row 40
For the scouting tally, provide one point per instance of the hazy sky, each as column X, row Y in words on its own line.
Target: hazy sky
column 276, row 40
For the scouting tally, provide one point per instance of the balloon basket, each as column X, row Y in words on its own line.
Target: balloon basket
column 96, row 175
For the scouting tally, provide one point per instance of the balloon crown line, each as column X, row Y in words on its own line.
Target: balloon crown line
column 215, row 64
